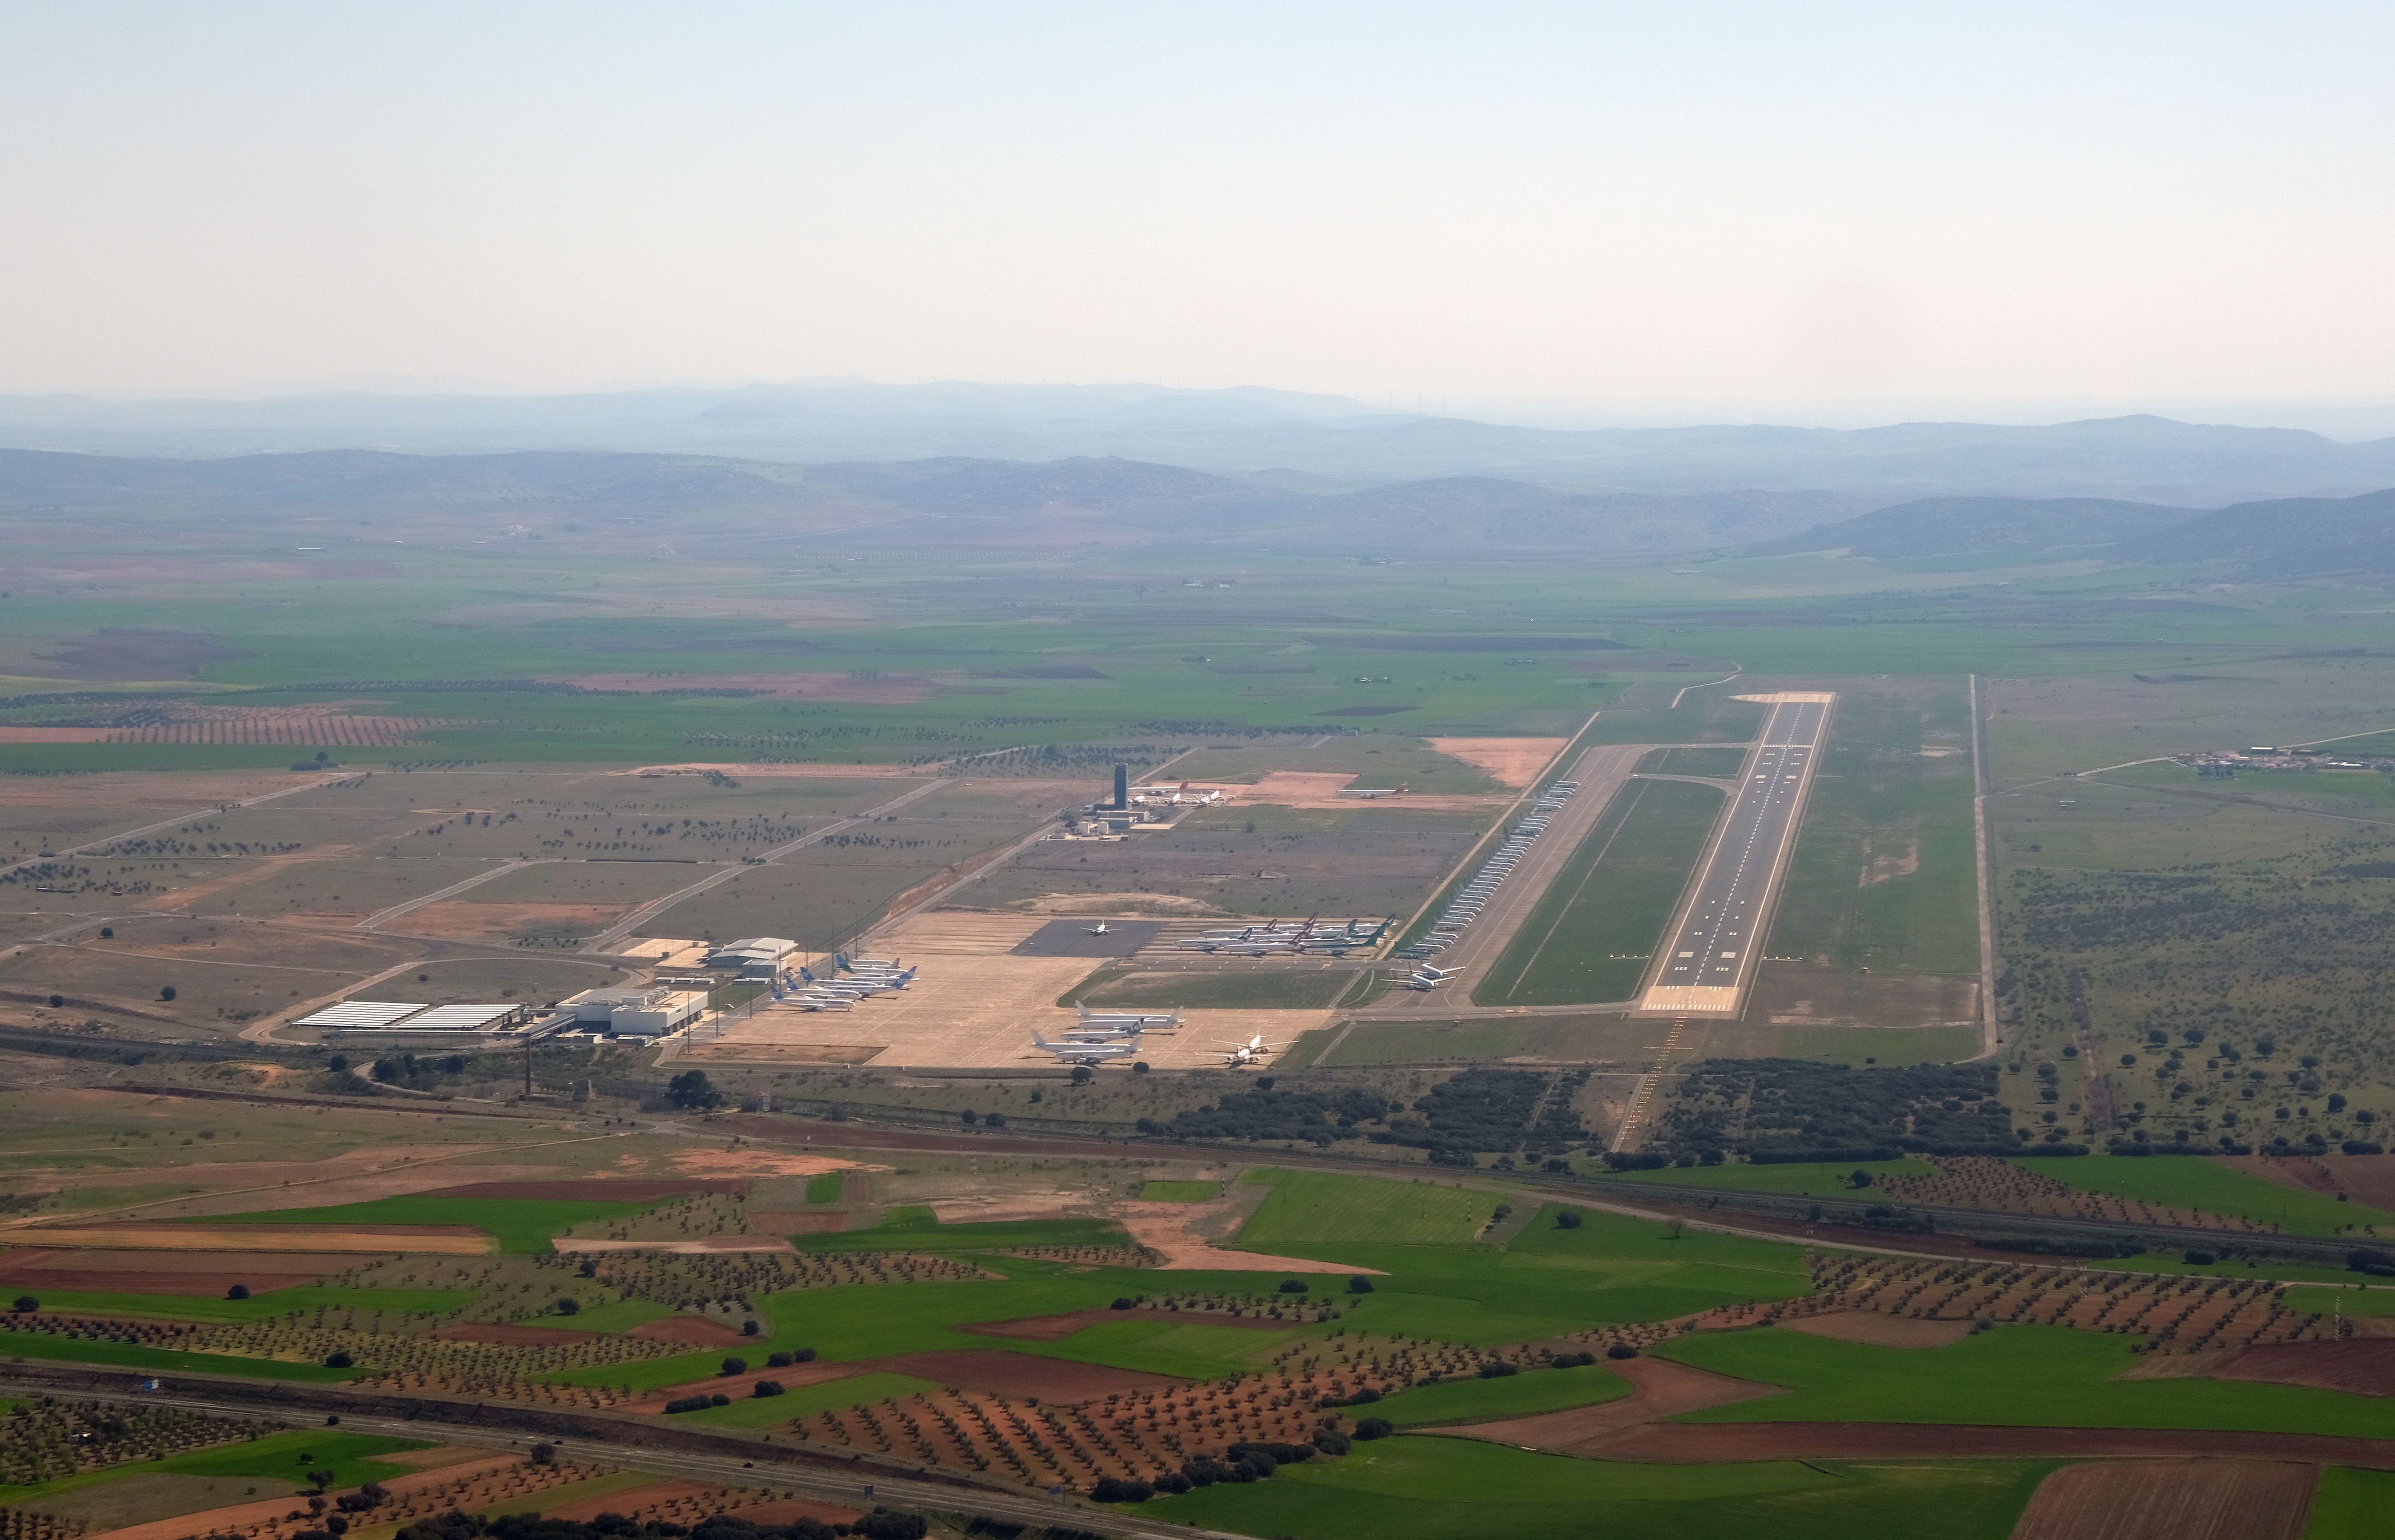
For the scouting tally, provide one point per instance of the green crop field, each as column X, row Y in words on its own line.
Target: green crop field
column 753, row 1411
column 1722, row 763
column 132, row 1355
column 2195, row 1181
column 824, row 1188
column 2036, row 1377
column 1591, row 935
column 2351, row 1504
column 1522, row 1395
column 1429, row 1488
column 275, row 1457
column 1314, row 1208
column 1882, row 876
column 1180, row 1192
column 522, row 1226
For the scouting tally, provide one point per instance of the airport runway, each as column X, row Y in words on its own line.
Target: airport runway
column 1600, row 772
column 1718, row 936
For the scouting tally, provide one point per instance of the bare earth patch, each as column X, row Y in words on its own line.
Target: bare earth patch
column 451, row 1240
column 467, row 920
column 760, row 1163
column 1176, row 1231
column 2172, row 1500
column 1659, row 1388
column 2361, row 1366
column 1319, row 789
column 1513, row 761
column 1881, row 1330
column 703, row 1245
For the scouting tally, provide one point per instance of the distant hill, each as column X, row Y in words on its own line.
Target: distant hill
column 1951, row 526
column 2283, row 537
column 1239, row 433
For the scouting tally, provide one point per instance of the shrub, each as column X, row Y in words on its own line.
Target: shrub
column 1114, row 1488
column 2200, row 1259
column 1173, row 1481
column 1497, row 1368
column 239, row 1291
column 780, row 1360
column 1360, row 1285
column 1123, row 1302
column 736, row 1366
column 167, row 992
column 803, row 1355
column 1374, row 1427
column 1622, row 1351
column 338, row 1359
column 749, row 1328
column 883, row 1524
column 719, row 1399
column 1330, row 1440
column 1292, row 1285
column 1568, row 1219
column 544, row 1453
column 692, row 1089
column 26, row 1304
column 568, row 1305
column 768, row 1388
column 689, row 1403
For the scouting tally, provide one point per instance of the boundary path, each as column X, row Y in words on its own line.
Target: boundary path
column 171, row 822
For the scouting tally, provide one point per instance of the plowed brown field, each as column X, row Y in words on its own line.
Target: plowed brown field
column 2361, row 1366
column 453, row 1239
column 1659, row 1388
column 2172, row 1500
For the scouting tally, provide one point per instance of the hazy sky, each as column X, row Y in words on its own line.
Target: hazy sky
column 1699, row 204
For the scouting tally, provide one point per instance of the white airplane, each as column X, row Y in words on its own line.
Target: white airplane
column 1252, row 1051
column 1101, row 929
column 1128, row 1018
column 1084, row 1053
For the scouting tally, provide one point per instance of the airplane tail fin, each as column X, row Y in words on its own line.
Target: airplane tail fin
column 841, row 960
column 1038, row 1039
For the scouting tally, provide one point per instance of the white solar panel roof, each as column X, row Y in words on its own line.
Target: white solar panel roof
column 457, row 1017
column 361, row 1013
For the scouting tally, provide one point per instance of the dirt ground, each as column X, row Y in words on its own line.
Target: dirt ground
column 2172, row 1500
column 974, row 1005
column 1884, row 1331
column 1804, row 994
column 1515, row 761
column 2361, row 1365
column 471, row 920
column 200, row 1274
column 1180, row 1232
column 1659, row 1388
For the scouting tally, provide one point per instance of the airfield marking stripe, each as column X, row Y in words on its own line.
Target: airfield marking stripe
column 1644, row 1089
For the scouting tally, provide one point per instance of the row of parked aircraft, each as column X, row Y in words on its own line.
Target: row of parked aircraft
column 1290, row 937
column 854, row 979
column 1469, row 900
column 1101, row 1036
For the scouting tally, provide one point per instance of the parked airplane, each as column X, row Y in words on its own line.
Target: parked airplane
column 1084, row 1053
column 1252, row 1051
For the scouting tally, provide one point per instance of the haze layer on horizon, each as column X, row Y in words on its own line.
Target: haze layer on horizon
column 1765, row 209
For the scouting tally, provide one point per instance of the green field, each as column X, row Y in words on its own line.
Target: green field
column 1883, row 873
column 1722, row 763
column 753, row 1411
column 275, row 1457
column 1312, row 1208
column 2195, row 1181
column 1423, row 1488
column 824, row 1188
column 522, row 1226
column 1180, row 1192
column 1522, row 1395
column 2351, row 1504
column 2035, row 1377
column 1590, row 936
column 133, row 1355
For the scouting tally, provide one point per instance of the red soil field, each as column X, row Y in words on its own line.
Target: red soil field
column 1883, row 1331
column 632, row 1190
column 2362, row 1365
column 1706, row 1442
column 2172, row 1500
column 506, row 1335
column 690, row 1329
column 202, row 1275
column 1659, row 1388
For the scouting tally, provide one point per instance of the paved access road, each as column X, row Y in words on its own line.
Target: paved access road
column 1710, row 957
column 1600, row 772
